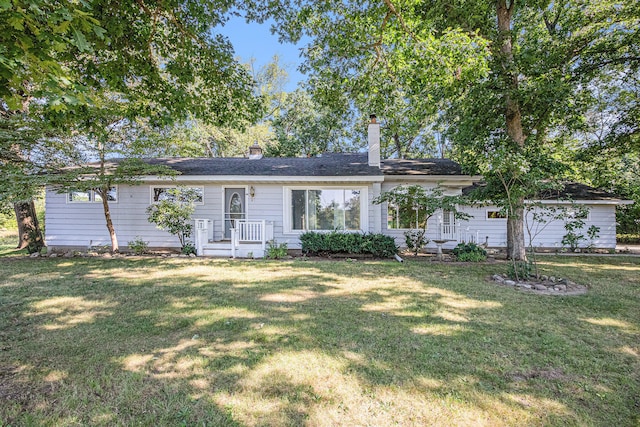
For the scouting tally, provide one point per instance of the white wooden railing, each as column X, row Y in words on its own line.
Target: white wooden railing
column 245, row 231
column 447, row 232
column 201, row 234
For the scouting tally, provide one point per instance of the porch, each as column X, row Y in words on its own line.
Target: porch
column 248, row 238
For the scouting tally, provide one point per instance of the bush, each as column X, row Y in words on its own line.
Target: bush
column 275, row 250
column 519, row 270
column 335, row 242
column 469, row 252
column 188, row 249
column 629, row 239
column 415, row 240
column 138, row 246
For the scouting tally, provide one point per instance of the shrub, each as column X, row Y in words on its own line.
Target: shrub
column 138, row 246
column 519, row 270
column 335, row 242
column 415, row 240
column 469, row 252
column 174, row 214
column 629, row 239
column 188, row 249
column 275, row 250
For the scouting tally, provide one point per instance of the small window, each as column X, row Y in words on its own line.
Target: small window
column 164, row 193
column 80, row 196
column 496, row 214
column 405, row 217
column 92, row 196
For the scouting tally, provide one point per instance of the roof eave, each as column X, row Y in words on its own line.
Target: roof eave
column 267, row 178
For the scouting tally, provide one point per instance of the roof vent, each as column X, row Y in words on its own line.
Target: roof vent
column 255, row 151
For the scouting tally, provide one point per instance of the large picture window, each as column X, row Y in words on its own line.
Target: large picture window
column 326, row 209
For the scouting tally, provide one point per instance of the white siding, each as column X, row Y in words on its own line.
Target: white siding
column 432, row 224
column 83, row 224
column 544, row 235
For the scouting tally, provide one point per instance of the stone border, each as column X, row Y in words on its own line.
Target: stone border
column 545, row 285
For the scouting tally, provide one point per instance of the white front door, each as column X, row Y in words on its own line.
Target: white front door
column 234, row 208
column 448, row 225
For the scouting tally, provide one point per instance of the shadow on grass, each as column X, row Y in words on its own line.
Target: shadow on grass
column 263, row 343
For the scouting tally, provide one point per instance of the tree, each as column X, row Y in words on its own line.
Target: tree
column 108, row 153
column 173, row 214
column 160, row 61
column 418, row 205
column 304, row 127
column 513, row 78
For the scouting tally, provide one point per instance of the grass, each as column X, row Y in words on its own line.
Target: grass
column 8, row 241
column 232, row 343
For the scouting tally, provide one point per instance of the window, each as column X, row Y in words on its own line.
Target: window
column 92, row 196
column 325, row 209
column 163, row 193
column 496, row 214
column 405, row 217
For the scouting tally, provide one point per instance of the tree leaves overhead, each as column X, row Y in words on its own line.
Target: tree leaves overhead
column 382, row 58
column 164, row 58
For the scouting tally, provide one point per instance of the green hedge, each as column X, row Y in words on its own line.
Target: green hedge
column 629, row 239
column 335, row 242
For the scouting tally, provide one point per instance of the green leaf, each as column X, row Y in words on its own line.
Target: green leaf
column 81, row 41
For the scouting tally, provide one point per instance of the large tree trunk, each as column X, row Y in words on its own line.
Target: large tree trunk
column 29, row 233
column 107, row 216
column 516, row 249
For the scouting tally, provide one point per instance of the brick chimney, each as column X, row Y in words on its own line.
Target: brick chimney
column 255, row 151
column 374, row 141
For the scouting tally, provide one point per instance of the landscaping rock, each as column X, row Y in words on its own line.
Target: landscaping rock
column 68, row 255
column 53, row 256
column 509, row 283
column 107, row 255
column 526, row 286
column 35, row 255
column 540, row 287
column 498, row 278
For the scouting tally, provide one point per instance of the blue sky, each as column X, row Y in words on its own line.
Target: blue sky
column 256, row 41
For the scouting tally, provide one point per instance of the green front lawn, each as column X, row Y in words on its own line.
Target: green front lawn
column 216, row 342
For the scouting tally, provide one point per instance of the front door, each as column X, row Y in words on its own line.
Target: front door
column 234, row 208
column 448, row 225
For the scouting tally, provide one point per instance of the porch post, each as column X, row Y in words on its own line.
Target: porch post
column 263, row 234
column 202, row 234
column 233, row 242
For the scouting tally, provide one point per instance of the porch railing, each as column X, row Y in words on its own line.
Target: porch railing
column 243, row 231
column 447, row 232
column 246, row 231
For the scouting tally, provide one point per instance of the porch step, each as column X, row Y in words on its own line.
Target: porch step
column 223, row 249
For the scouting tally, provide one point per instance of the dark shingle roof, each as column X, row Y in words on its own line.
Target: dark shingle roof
column 355, row 164
column 420, row 167
column 569, row 191
column 328, row 164
column 578, row 191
